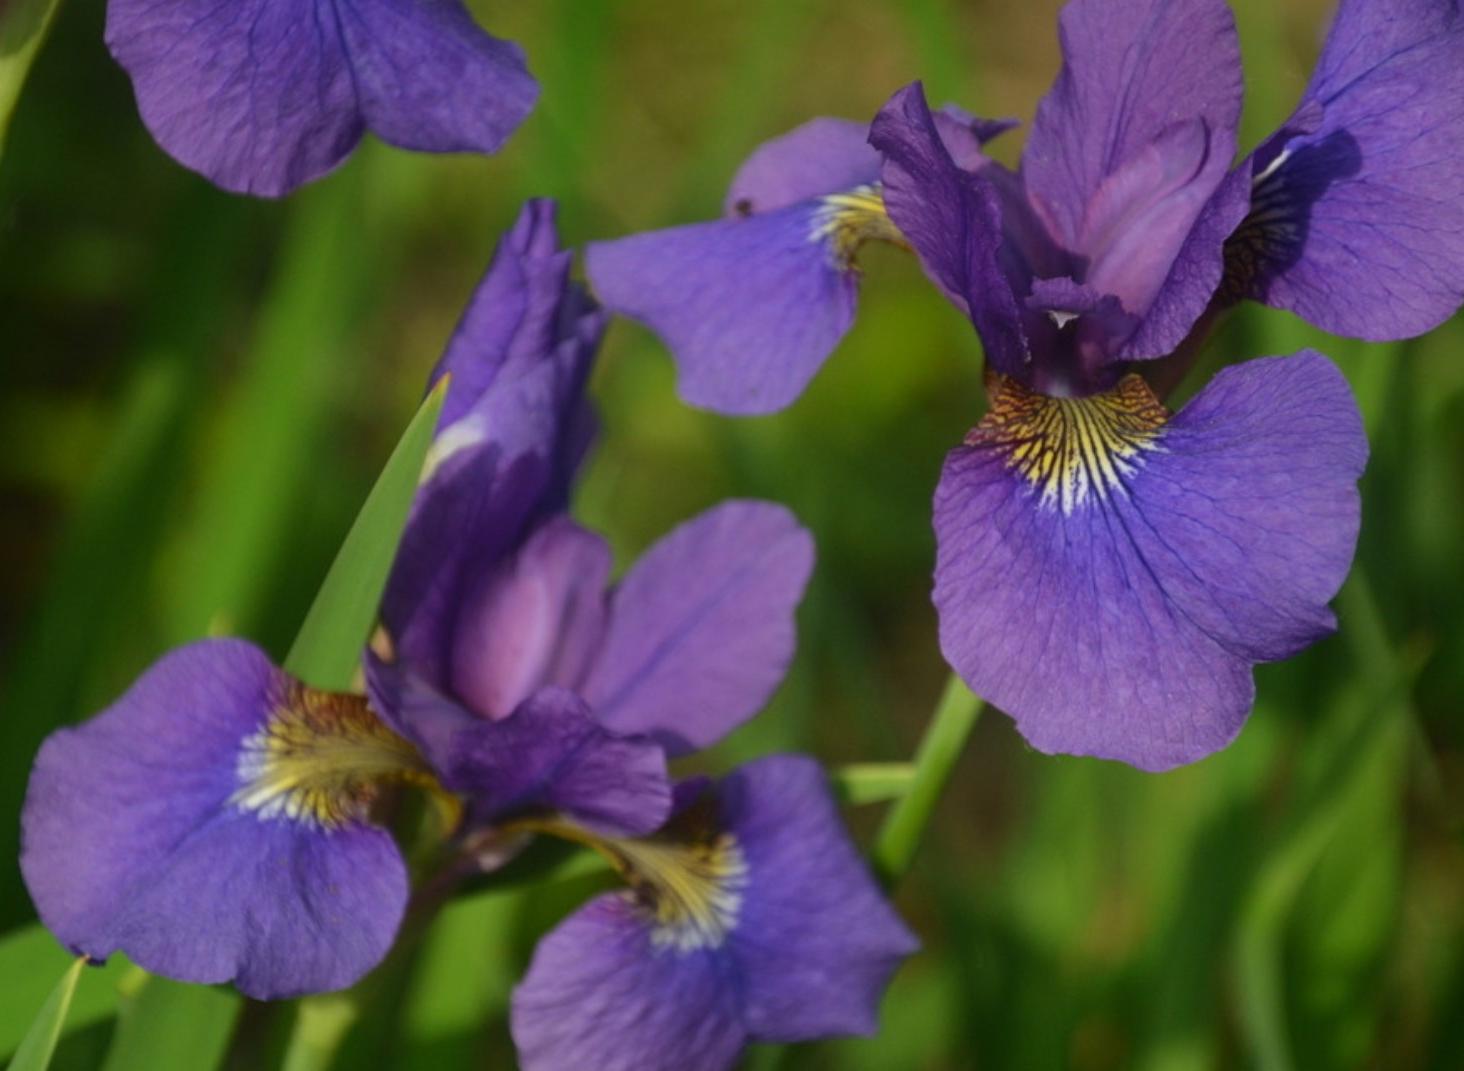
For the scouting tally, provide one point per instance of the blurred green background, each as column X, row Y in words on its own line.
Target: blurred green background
column 198, row 390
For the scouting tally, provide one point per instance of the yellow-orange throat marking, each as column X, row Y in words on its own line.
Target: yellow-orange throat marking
column 1072, row 449
column 322, row 758
column 847, row 220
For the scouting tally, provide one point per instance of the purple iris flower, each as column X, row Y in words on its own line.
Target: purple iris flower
column 749, row 917
column 751, row 305
column 1109, row 572
column 262, row 96
column 510, row 659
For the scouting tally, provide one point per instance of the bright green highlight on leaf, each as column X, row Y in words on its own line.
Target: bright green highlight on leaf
column 40, row 1041
column 22, row 32
column 328, row 648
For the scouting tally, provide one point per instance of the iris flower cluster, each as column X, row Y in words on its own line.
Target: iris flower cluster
column 1108, row 571
column 229, row 818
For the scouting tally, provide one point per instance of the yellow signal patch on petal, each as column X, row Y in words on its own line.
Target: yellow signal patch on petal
column 322, row 758
column 847, row 220
column 1072, row 449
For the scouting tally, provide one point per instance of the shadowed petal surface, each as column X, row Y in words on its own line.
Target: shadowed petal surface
column 702, row 628
column 131, row 842
column 1108, row 578
column 1359, row 226
column 549, row 754
column 428, row 77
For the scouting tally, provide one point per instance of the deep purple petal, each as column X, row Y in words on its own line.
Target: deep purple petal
column 952, row 220
column 257, row 95
column 549, row 754
column 428, row 77
column 516, row 314
column 750, row 307
column 702, row 629
column 537, row 619
column 1359, row 228
column 132, row 841
column 816, row 942
column 465, row 519
column 600, row 994
column 964, row 134
column 1130, row 72
column 822, row 156
column 1117, row 612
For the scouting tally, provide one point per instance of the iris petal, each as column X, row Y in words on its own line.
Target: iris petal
column 149, row 831
column 1108, row 577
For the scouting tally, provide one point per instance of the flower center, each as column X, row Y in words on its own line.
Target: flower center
column 322, row 758
column 1072, row 449
column 845, row 221
column 687, row 879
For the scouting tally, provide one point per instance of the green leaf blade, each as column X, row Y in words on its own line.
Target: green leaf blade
column 328, row 647
column 39, row 1046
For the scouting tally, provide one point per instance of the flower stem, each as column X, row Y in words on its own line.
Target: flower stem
column 321, row 1024
column 945, row 738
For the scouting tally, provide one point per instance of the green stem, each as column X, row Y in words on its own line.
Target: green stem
column 945, row 738
column 321, row 1024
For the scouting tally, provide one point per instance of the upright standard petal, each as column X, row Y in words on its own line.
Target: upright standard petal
column 753, row 918
column 1108, row 574
column 1130, row 71
column 1356, row 220
column 257, row 95
column 261, row 96
column 750, row 307
column 536, row 619
column 213, row 825
column 429, row 78
column 952, row 220
column 701, row 630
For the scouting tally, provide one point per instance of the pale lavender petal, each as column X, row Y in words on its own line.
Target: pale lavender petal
column 536, row 619
column 702, row 628
column 822, row 156
column 599, row 993
column 1117, row 611
column 1194, row 277
column 1130, row 71
column 1358, row 224
column 131, row 842
column 257, row 95
column 750, row 308
column 1143, row 211
column 952, row 220
column 430, row 78
column 816, row 943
